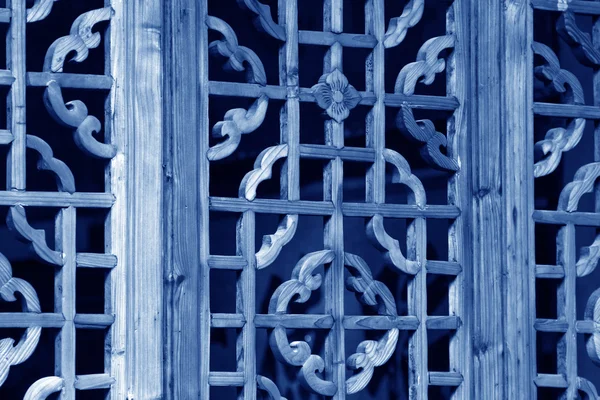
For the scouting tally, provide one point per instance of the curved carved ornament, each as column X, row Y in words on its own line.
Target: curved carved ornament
column 583, row 183
column 562, row 80
column 384, row 242
column 268, row 386
column 11, row 354
column 236, row 55
column 40, row 10
column 263, row 20
column 80, row 40
column 299, row 353
column 404, row 175
column 580, row 42
column 335, row 95
column 588, row 258
column 17, row 222
column 272, row 244
column 587, row 389
column 47, row 162
column 237, row 122
column 592, row 313
column 424, row 131
column 74, row 114
column 411, row 15
column 263, row 168
column 369, row 353
column 44, row 387
column 427, row 65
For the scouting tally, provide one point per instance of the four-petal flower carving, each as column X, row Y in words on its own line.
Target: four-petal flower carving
column 335, row 95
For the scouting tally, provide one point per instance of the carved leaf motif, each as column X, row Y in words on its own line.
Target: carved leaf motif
column 587, row 388
column 237, row 55
column 369, row 353
column 272, row 244
column 263, row 19
column 9, row 353
column 582, row 183
column 424, row 132
column 405, row 176
column 268, row 386
column 393, row 253
column 581, row 42
column 553, row 74
column 427, row 65
column 262, row 170
column 74, row 114
column 592, row 313
column 17, row 222
column 298, row 353
column 237, row 122
column 588, row 258
column 80, row 40
column 411, row 15
column 64, row 176
column 40, row 10
column 335, row 95
column 44, row 387
column 557, row 141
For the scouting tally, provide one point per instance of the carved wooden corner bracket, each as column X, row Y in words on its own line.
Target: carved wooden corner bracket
column 40, row 10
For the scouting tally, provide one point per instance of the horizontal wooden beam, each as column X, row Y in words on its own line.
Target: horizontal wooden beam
column 93, row 381
column 227, row 262
column 54, row 320
column 92, row 260
column 72, row 81
column 563, row 218
column 549, row 272
column 566, row 110
column 551, row 380
column 445, row 378
column 226, row 379
column 329, row 38
column 576, row 6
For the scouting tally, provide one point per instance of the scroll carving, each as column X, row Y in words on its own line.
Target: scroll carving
column 263, row 19
column 64, row 176
column 405, row 176
column 80, row 40
column 384, row 242
column 558, row 140
column 298, row 353
column 580, row 41
column 587, row 388
column 592, row 313
column 588, row 258
column 582, row 183
column 40, row 10
column 272, row 244
column 369, row 353
column 335, row 95
column 427, row 65
column 267, row 385
column 74, row 114
column 237, row 122
column 9, row 353
column 424, row 131
column 262, row 170
column 17, row 222
column 44, row 387
column 411, row 15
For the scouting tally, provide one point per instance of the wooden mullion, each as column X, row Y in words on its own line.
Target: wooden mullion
column 15, row 59
column 65, row 301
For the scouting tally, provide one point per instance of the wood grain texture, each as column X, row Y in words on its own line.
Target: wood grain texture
column 44, row 387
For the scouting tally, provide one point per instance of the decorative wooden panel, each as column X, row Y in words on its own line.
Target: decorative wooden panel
column 59, row 108
column 565, row 51
column 332, row 271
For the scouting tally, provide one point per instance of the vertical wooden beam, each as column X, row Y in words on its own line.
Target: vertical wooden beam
column 15, row 62
column 487, row 208
column 183, row 131
column 137, row 127
column 459, row 192
column 518, row 262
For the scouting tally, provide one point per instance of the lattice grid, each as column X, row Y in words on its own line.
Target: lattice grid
column 332, row 270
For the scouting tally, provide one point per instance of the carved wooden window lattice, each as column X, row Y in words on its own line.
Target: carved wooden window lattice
column 333, row 270
column 59, row 113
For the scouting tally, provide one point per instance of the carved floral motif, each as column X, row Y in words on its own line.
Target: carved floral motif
column 335, row 95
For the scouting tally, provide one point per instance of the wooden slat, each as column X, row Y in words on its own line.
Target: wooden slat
column 73, row 81
column 226, row 378
column 380, row 322
column 26, row 320
column 227, row 262
column 549, row 271
column 6, row 77
column 271, row 206
column 5, row 14
column 443, row 267
column 6, row 136
column 566, row 110
column 93, row 321
column 563, row 217
column 577, row 6
column 294, row 321
column 400, row 211
column 551, row 325
column 445, row 378
column 329, row 38
column 329, row 152
column 443, row 322
column 551, row 380
column 93, row 381
column 91, row 260
column 587, row 327
column 57, row 199
column 221, row 320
